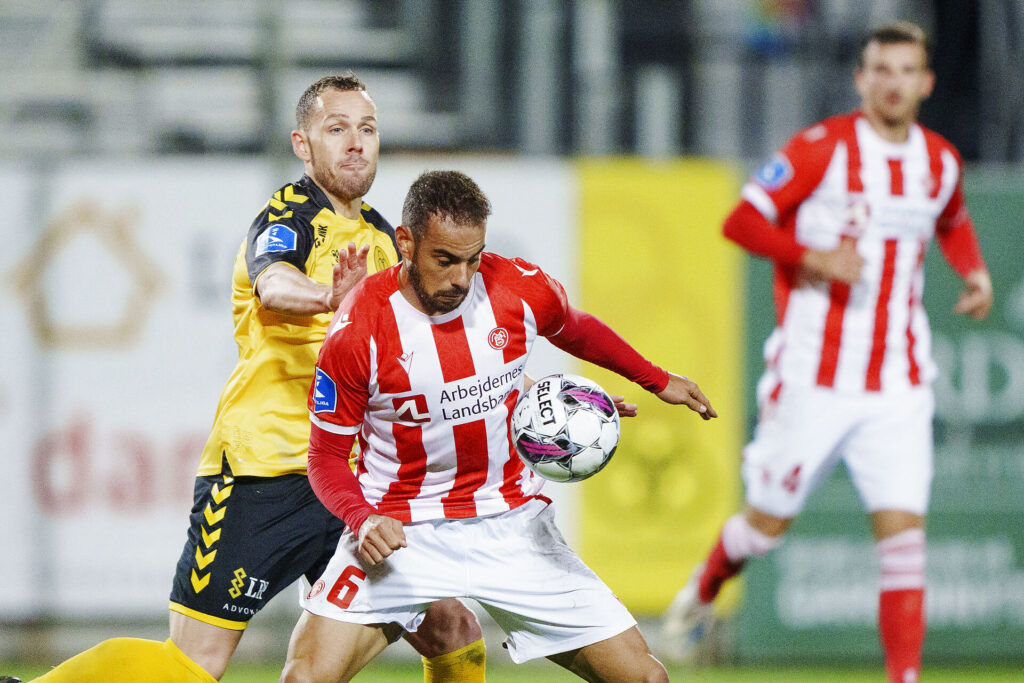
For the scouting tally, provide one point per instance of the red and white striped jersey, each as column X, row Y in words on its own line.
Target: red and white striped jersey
column 840, row 180
column 431, row 397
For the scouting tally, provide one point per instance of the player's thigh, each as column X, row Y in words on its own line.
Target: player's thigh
column 890, row 454
column 323, row 649
column 796, row 444
column 625, row 657
column 248, row 539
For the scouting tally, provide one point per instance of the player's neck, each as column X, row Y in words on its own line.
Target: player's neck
column 407, row 291
column 888, row 129
column 350, row 208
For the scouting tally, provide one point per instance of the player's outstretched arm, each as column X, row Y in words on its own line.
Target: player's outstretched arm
column 683, row 390
column 976, row 300
column 379, row 536
column 283, row 289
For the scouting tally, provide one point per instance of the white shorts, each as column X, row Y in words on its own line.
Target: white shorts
column 515, row 564
column 885, row 440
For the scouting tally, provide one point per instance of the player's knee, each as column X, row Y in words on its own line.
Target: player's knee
column 448, row 626
column 297, row 671
column 655, row 673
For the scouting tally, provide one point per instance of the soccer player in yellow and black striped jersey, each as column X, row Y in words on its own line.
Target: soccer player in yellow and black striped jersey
column 256, row 525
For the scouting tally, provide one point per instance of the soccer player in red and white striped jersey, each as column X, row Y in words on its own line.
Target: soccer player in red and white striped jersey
column 424, row 363
column 846, row 211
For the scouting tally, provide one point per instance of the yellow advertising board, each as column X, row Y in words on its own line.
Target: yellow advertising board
column 655, row 266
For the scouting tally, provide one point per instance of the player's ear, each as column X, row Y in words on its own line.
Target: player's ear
column 928, row 85
column 406, row 242
column 300, row 145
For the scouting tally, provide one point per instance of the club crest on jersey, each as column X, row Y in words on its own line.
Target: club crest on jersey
column 276, row 238
column 858, row 212
column 498, row 338
column 316, row 590
column 411, row 408
column 775, row 173
column 325, row 393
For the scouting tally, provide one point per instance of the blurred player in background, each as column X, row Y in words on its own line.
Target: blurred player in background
column 256, row 525
column 440, row 505
column 846, row 211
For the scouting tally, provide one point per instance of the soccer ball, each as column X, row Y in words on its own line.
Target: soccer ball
column 565, row 427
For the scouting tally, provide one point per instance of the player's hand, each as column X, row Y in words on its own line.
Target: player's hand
column 684, row 390
column 622, row 408
column 350, row 269
column 976, row 300
column 379, row 536
column 842, row 264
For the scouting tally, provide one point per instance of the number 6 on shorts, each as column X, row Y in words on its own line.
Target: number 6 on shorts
column 347, row 583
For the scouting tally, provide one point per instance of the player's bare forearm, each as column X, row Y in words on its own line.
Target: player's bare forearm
column 977, row 299
column 283, row 289
column 683, row 390
column 842, row 264
column 379, row 536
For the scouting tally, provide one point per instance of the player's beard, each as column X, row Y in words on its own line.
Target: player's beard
column 346, row 186
column 433, row 304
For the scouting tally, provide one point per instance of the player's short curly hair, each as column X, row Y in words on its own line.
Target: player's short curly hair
column 445, row 194
column 344, row 82
column 896, row 32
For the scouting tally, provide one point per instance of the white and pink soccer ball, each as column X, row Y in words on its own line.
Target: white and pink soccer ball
column 565, row 427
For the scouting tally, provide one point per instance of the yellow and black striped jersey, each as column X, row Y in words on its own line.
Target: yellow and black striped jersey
column 262, row 424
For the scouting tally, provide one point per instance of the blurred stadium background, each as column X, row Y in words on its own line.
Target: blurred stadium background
column 139, row 138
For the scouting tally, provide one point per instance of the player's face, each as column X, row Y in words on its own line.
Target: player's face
column 441, row 264
column 343, row 143
column 893, row 82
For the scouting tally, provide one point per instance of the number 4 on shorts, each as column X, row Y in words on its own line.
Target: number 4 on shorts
column 347, row 583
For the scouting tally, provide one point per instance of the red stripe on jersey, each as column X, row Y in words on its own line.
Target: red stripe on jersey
column 470, row 469
column 509, row 314
column 839, row 295
column 934, row 145
column 914, row 372
column 895, row 177
column 412, row 469
column 453, row 350
column 853, row 181
column 391, row 376
column 513, row 469
column 873, row 382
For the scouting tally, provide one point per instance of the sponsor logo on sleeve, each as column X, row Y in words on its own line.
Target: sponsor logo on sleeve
column 325, row 393
column 276, row 238
column 775, row 173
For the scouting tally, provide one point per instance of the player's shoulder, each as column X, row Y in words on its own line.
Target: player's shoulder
column 935, row 140
column 806, row 155
column 825, row 133
column 361, row 309
column 298, row 199
column 375, row 219
column 505, row 265
column 377, row 288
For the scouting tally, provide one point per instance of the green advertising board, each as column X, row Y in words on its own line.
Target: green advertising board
column 815, row 598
